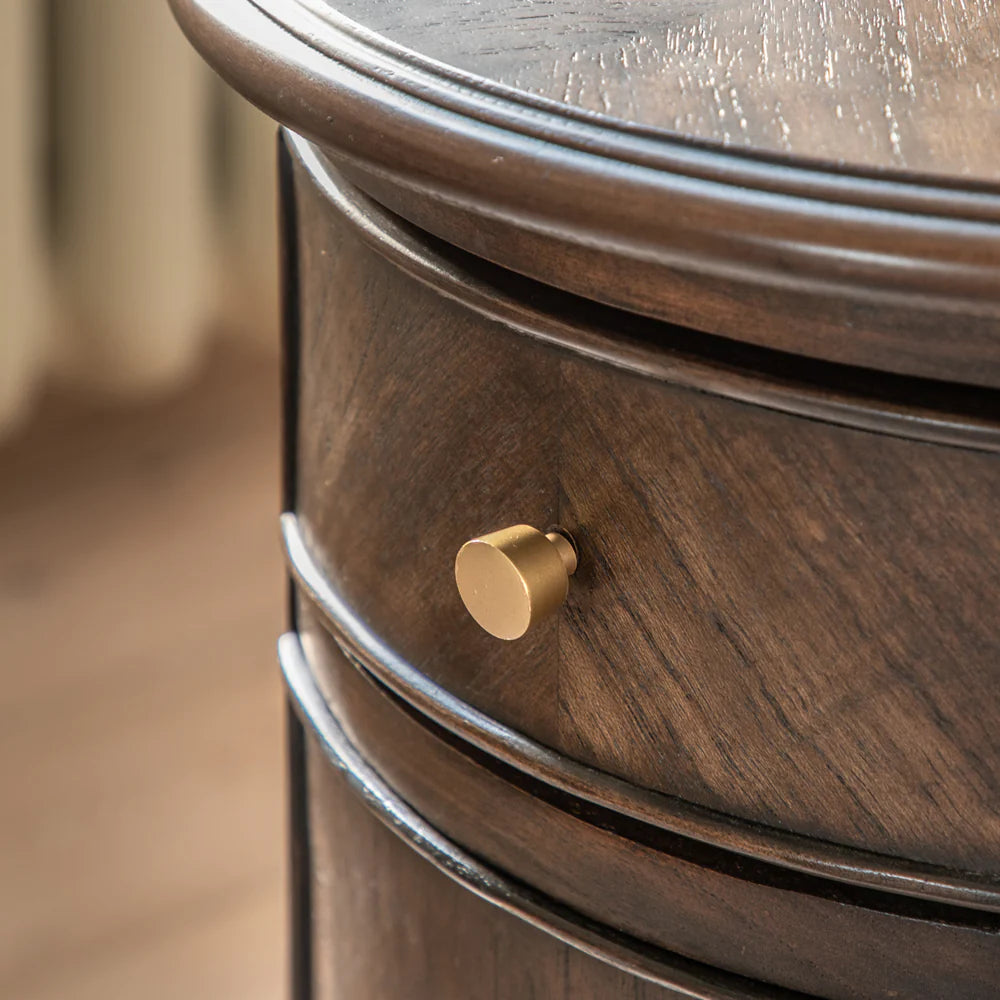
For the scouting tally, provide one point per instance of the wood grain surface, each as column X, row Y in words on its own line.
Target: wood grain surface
column 782, row 488
column 876, row 269
column 780, row 619
column 674, row 893
column 421, row 935
column 901, row 85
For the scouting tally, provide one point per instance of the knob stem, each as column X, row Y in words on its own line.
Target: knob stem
column 567, row 553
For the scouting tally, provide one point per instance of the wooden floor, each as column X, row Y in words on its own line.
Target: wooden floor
column 141, row 781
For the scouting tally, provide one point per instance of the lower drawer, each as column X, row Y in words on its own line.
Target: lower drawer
column 420, row 936
column 664, row 909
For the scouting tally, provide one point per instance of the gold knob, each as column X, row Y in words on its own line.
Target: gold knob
column 511, row 579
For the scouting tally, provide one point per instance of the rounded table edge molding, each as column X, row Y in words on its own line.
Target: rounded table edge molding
column 892, row 275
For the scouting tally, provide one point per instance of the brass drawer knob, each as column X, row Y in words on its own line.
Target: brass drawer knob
column 511, row 579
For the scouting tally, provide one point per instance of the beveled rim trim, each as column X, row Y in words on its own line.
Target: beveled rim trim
column 889, row 245
column 440, row 84
column 794, row 851
column 408, row 249
column 686, row 976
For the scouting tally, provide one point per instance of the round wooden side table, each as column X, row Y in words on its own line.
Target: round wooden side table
column 642, row 502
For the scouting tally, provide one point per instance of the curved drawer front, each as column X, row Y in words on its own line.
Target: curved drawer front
column 422, row 935
column 689, row 902
column 784, row 620
column 365, row 944
column 417, row 935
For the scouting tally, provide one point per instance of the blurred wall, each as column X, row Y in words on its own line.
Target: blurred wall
column 137, row 202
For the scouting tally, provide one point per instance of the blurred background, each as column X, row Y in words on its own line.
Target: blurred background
column 141, row 757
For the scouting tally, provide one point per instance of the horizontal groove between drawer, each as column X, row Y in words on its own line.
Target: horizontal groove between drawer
column 904, row 406
column 690, row 978
column 668, row 891
column 833, row 863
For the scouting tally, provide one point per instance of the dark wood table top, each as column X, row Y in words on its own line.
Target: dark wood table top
column 906, row 86
column 817, row 180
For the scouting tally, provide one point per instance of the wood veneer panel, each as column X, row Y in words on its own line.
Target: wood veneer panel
column 817, row 604
column 414, row 933
column 709, row 905
column 782, row 619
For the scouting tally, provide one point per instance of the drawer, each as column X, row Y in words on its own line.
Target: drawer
column 784, row 620
column 423, row 931
column 673, row 909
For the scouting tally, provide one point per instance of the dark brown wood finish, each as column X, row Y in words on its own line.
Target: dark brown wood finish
column 422, row 935
column 884, row 270
column 645, row 964
column 697, row 902
column 716, row 288
column 508, row 747
column 908, row 86
column 779, row 619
